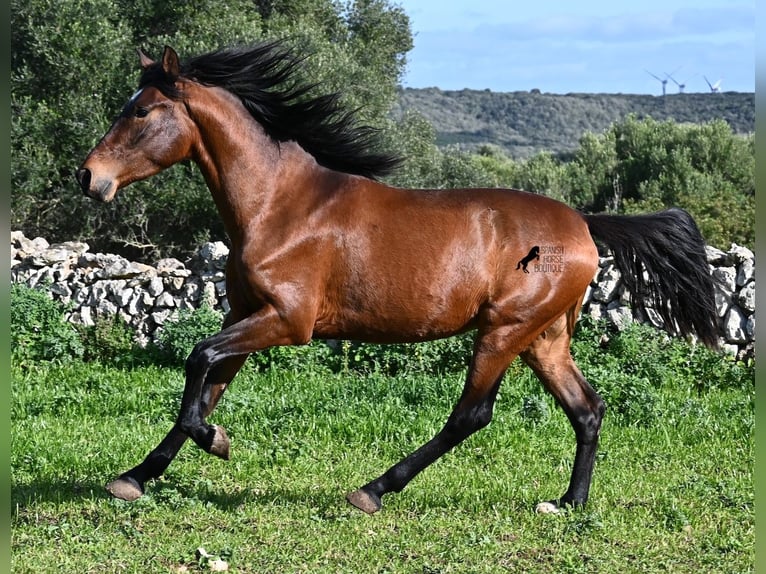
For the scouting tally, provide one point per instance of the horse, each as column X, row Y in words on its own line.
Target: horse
column 321, row 248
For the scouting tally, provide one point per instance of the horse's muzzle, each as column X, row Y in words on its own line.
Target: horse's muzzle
column 100, row 191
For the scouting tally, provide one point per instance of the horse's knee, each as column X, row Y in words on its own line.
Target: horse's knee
column 199, row 360
column 587, row 421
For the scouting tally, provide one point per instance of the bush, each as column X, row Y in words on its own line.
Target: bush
column 180, row 333
column 316, row 356
column 110, row 339
column 39, row 330
column 441, row 356
column 629, row 368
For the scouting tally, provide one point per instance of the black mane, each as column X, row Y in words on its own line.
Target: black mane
column 263, row 77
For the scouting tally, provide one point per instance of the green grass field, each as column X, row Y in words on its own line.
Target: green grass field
column 672, row 492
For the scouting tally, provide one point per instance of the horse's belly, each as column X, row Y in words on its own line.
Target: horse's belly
column 403, row 316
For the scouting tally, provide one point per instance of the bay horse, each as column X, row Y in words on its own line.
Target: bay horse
column 322, row 249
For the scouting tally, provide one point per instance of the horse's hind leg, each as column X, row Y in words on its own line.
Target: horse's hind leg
column 472, row 412
column 550, row 359
column 130, row 485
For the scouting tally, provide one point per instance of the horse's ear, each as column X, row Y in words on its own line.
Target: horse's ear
column 170, row 62
column 146, row 61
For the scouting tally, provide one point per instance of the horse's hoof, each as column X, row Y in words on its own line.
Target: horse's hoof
column 220, row 445
column 547, row 508
column 369, row 503
column 125, row 488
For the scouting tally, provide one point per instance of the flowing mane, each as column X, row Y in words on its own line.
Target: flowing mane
column 263, row 76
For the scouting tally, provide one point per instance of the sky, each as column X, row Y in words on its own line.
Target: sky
column 589, row 46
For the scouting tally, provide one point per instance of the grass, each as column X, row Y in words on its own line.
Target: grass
column 674, row 495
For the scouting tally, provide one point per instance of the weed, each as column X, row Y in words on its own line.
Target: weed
column 39, row 330
column 184, row 330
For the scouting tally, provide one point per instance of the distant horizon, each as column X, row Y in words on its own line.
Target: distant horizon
column 533, row 90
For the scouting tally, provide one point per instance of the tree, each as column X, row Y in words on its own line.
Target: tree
column 70, row 75
column 646, row 165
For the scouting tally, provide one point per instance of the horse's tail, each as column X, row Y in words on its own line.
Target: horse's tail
column 661, row 258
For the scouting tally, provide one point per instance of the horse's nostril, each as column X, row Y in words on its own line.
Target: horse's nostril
column 83, row 177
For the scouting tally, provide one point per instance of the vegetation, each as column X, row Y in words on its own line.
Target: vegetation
column 313, row 426
column 523, row 124
column 645, row 165
column 39, row 327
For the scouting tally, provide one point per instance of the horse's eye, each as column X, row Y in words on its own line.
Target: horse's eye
column 141, row 112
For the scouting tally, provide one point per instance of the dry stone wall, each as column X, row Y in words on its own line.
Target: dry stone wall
column 146, row 296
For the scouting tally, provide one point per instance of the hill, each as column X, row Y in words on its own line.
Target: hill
column 524, row 123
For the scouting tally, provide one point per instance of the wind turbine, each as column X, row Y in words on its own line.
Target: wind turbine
column 681, row 86
column 715, row 88
column 664, row 82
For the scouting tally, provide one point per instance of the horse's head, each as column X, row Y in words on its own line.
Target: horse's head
column 152, row 133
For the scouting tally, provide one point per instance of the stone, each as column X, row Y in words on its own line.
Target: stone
column 49, row 256
column 146, row 297
column 170, row 267
column 165, row 300
column 174, row 284
column 746, row 297
column 155, row 287
column 596, row 312
column 136, row 305
column 745, row 272
column 716, row 257
column 722, row 301
column 605, row 291
column 191, row 291
column 106, row 307
column 214, row 254
column 159, row 317
column 86, row 317
column 619, row 315
column 61, row 291
column 730, row 349
column 123, row 297
column 750, row 328
column 208, row 294
column 726, row 277
column 734, row 326
column 739, row 253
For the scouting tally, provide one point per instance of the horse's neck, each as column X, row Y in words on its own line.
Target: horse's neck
column 248, row 173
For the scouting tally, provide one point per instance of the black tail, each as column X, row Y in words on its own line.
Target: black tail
column 661, row 257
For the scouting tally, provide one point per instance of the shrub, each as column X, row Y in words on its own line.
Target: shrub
column 39, row 330
column 441, row 356
column 110, row 339
column 180, row 333
column 317, row 355
column 631, row 398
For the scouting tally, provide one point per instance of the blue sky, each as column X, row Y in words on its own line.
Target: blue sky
column 587, row 46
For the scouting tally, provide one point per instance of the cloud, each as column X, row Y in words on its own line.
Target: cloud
column 623, row 28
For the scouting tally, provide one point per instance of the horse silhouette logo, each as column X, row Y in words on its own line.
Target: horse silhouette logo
column 534, row 253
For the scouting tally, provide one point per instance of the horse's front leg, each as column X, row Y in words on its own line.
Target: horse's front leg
column 130, row 485
column 266, row 328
